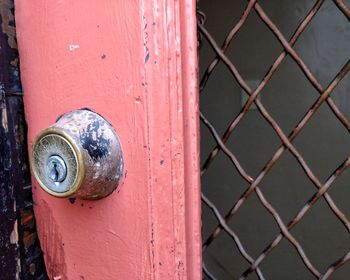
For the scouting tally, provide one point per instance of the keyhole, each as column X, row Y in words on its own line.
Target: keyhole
column 54, row 172
column 57, row 169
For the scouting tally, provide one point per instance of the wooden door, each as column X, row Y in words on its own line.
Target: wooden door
column 135, row 63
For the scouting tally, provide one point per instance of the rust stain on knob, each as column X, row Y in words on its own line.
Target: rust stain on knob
column 80, row 155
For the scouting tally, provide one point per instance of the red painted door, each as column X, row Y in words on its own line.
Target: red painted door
column 134, row 62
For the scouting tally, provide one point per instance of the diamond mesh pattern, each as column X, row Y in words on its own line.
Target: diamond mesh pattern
column 321, row 187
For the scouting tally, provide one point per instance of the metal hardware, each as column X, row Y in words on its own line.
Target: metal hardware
column 57, row 169
column 256, row 261
column 80, row 155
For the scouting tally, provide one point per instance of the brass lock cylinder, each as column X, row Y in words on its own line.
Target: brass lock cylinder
column 78, row 156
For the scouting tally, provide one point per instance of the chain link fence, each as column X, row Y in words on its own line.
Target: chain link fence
column 223, row 56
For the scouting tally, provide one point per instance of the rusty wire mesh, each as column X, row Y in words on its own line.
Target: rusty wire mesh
column 322, row 186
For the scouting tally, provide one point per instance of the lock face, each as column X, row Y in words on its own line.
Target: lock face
column 80, row 155
column 55, row 164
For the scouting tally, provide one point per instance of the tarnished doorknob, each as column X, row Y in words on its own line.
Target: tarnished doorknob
column 80, row 155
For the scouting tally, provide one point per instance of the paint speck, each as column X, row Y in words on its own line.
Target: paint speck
column 138, row 100
column 161, row 162
column 73, row 47
column 72, row 200
column 147, row 57
column 103, row 56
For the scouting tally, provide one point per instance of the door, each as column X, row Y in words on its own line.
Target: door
column 274, row 100
column 134, row 63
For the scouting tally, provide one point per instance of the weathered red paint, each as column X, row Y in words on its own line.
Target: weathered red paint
column 134, row 62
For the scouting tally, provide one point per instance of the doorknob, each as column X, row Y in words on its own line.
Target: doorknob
column 80, row 155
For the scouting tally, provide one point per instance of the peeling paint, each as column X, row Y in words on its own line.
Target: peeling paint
column 94, row 142
column 7, row 25
column 52, row 243
column 18, row 273
column 14, row 62
column 14, row 234
column 4, row 121
column 19, row 246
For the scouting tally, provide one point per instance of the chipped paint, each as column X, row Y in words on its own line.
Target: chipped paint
column 14, row 234
column 73, row 47
column 7, row 22
column 52, row 243
column 18, row 273
column 19, row 248
column 9, row 247
column 4, row 121
column 94, row 141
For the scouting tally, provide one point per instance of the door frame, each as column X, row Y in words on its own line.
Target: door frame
column 173, row 105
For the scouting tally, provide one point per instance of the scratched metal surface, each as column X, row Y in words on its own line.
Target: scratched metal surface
column 223, row 205
column 20, row 253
